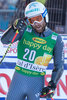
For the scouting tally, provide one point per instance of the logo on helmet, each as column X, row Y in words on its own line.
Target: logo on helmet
column 32, row 10
column 32, row 5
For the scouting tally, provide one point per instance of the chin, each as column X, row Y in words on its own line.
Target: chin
column 39, row 31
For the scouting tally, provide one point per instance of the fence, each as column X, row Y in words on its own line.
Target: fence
column 57, row 14
column 56, row 10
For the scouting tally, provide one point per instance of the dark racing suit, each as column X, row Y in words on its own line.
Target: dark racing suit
column 23, row 85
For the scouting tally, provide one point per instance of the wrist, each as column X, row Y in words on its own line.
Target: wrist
column 52, row 85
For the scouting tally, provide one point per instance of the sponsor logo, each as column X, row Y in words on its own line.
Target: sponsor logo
column 31, row 66
column 32, row 5
column 37, row 46
column 54, row 37
column 29, row 30
column 8, row 81
column 33, row 10
column 31, row 44
column 39, row 40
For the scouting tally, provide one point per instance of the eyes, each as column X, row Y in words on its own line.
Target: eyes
column 31, row 21
column 36, row 18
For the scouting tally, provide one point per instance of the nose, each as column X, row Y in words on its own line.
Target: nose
column 36, row 23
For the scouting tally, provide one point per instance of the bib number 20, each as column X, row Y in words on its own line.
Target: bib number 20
column 29, row 55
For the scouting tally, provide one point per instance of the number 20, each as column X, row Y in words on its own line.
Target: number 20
column 31, row 54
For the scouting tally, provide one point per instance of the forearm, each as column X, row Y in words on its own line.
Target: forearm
column 57, row 73
column 8, row 35
column 58, row 61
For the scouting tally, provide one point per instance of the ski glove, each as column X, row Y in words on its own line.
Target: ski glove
column 48, row 92
column 18, row 24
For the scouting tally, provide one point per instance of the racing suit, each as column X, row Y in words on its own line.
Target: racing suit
column 33, row 47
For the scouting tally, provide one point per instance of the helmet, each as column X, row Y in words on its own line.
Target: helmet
column 36, row 8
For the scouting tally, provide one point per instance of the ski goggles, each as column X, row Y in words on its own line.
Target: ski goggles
column 38, row 19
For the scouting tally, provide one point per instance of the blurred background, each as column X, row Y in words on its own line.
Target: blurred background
column 57, row 10
column 12, row 9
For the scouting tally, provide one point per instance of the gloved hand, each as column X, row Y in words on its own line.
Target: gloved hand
column 48, row 92
column 18, row 24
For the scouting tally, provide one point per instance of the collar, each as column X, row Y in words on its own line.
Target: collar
column 45, row 33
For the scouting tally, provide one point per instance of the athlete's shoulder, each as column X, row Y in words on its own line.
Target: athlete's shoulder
column 47, row 32
column 59, row 42
column 59, row 38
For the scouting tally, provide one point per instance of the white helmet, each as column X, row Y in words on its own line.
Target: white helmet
column 36, row 8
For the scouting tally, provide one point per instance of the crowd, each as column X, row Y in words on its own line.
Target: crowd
column 7, row 4
column 6, row 8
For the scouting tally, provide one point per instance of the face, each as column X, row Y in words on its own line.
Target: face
column 38, row 23
column 39, row 27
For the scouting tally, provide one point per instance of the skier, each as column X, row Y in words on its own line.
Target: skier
column 36, row 47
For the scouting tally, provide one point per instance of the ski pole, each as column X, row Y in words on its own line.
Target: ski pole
column 52, row 99
column 9, row 45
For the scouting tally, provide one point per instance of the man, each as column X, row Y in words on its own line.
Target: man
column 36, row 47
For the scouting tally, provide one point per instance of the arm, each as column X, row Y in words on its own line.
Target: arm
column 58, row 60
column 58, row 53
column 11, row 31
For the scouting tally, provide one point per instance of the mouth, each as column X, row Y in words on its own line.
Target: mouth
column 38, row 28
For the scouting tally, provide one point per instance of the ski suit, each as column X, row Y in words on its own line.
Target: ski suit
column 34, row 51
